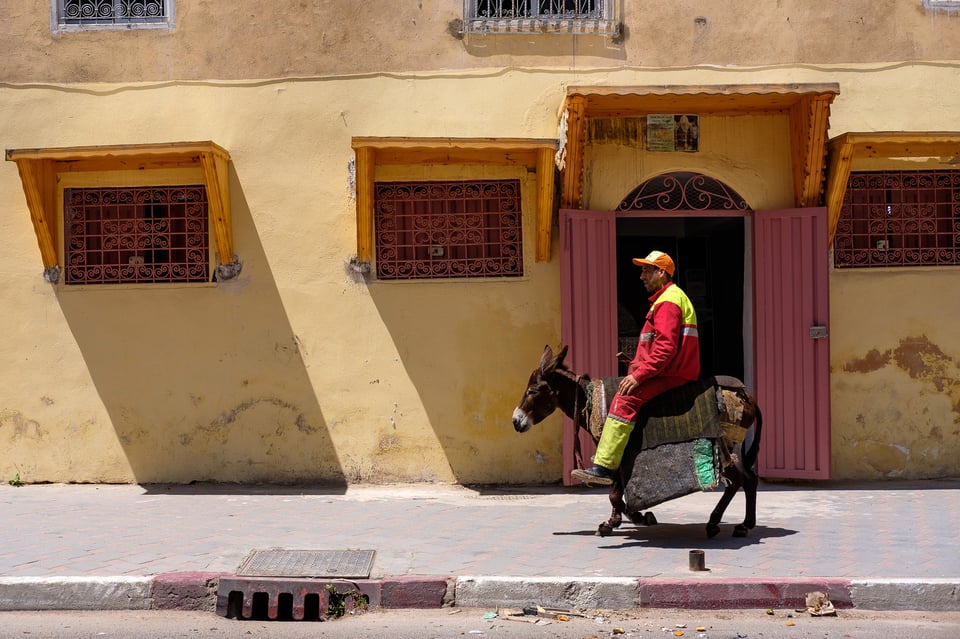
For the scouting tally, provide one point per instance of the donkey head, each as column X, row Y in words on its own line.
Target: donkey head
column 540, row 398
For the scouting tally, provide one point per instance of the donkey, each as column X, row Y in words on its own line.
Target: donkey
column 553, row 385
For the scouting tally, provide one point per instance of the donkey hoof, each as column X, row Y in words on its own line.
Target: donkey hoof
column 649, row 519
column 712, row 530
column 739, row 530
column 604, row 530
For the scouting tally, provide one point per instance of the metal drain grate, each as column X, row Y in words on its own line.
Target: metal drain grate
column 343, row 564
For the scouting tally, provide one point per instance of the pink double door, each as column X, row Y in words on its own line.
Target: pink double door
column 789, row 298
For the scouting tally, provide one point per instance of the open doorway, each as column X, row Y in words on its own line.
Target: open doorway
column 709, row 254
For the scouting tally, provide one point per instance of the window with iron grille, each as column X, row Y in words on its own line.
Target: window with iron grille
column 113, row 14
column 448, row 229
column 899, row 218
column 136, row 235
column 537, row 8
column 541, row 16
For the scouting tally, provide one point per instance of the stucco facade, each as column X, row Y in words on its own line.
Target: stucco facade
column 302, row 369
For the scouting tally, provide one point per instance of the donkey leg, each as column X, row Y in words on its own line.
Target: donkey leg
column 750, row 482
column 713, row 525
column 616, row 516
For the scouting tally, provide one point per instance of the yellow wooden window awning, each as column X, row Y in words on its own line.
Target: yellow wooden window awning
column 39, row 167
column 845, row 149
column 807, row 105
column 371, row 152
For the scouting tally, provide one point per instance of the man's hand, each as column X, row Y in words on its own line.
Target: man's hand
column 627, row 385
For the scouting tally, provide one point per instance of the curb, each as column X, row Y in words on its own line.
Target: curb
column 201, row 590
column 75, row 593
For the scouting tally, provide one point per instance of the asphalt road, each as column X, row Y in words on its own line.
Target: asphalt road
column 470, row 623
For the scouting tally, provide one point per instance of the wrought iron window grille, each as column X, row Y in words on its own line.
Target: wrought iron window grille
column 428, row 230
column 573, row 17
column 113, row 14
column 899, row 218
column 946, row 6
column 135, row 235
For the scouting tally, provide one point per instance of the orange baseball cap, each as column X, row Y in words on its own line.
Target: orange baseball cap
column 657, row 259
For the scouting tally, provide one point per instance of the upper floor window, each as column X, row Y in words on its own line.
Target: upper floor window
column 942, row 5
column 448, row 229
column 899, row 218
column 537, row 8
column 541, row 16
column 113, row 14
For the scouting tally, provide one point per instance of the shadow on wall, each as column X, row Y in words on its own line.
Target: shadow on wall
column 468, row 347
column 205, row 383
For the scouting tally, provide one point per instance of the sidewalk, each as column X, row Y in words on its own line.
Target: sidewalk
column 878, row 545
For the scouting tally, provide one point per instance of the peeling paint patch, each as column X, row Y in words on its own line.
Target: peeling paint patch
column 872, row 361
column 922, row 359
column 388, row 443
column 227, row 418
column 22, row 426
column 304, row 426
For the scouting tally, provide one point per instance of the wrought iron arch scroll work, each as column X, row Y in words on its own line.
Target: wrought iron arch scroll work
column 681, row 191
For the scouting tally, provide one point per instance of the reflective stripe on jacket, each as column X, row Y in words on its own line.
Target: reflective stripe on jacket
column 669, row 341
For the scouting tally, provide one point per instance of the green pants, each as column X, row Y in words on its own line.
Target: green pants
column 613, row 441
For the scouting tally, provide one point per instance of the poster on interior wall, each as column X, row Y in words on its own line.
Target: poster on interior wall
column 673, row 132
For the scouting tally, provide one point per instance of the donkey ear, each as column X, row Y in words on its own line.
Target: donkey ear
column 547, row 363
column 562, row 354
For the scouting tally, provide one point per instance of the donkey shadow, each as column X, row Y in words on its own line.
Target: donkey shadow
column 677, row 536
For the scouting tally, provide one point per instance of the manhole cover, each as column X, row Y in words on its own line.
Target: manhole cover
column 346, row 564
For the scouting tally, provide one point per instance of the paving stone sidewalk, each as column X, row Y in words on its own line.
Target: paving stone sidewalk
column 903, row 531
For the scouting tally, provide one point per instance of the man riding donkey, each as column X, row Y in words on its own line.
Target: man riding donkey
column 668, row 356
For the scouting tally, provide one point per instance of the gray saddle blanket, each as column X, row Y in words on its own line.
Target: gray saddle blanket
column 679, row 415
column 681, row 442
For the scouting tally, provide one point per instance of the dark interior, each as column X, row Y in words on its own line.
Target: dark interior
column 709, row 256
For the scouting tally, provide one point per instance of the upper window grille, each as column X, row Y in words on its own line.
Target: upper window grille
column 538, row 8
column 136, row 235
column 899, row 218
column 541, row 16
column 448, row 229
column 951, row 6
column 113, row 14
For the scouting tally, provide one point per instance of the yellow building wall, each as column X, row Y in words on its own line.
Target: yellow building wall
column 894, row 343
column 297, row 38
column 301, row 370
column 895, row 354
column 750, row 154
column 298, row 370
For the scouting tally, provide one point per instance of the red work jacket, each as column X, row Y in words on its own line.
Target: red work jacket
column 669, row 342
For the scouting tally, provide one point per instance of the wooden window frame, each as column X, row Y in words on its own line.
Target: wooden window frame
column 844, row 151
column 39, row 170
column 538, row 155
